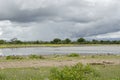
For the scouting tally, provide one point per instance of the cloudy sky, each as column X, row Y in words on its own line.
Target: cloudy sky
column 48, row 19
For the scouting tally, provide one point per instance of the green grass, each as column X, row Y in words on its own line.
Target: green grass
column 14, row 57
column 25, row 73
column 107, row 72
column 49, row 45
column 80, row 57
column 34, row 45
column 59, row 57
column 110, row 72
column 73, row 55
column 36, row 56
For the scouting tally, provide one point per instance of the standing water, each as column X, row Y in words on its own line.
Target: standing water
column 102, row 49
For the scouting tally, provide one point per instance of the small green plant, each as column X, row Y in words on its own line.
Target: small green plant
column 93, row 56
column 77, row 72
column 32, row 56
column 13, row 57
column 73, row 55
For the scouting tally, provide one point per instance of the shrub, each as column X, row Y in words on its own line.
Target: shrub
column 56, row 41
column 36, row 56
column 12, row 57
column 93, row 56
column 73, row 55
column 77, row 72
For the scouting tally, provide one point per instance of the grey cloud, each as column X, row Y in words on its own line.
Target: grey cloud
column 69, row 11
column 46, row 19
column 28, row 15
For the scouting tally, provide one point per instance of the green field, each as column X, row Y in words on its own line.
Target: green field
column 42, row 73
column 105, row 72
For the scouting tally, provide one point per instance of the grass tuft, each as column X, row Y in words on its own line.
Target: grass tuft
column 73, row 55
column 13, row 57
column 32, row 56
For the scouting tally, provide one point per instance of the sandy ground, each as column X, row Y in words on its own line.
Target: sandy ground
column 52, row 63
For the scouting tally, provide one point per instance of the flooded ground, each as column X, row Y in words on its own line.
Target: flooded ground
column 102, row 49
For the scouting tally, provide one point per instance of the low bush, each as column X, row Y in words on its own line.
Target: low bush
column 73, row 55
column 13, row 57
column 36, row 56
column 93, row 56
column 77, row 72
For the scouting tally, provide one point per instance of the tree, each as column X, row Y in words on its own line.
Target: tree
column 15, row 41
column 95, row 41
column 2, row 41
column 36, row 42
column 56, row 41
column 81, row 40
column 66, row 41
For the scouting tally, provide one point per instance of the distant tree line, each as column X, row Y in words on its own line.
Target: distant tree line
column 60, row 41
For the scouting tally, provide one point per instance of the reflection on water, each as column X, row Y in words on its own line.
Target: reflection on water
column 62, row 50
column 1, row 53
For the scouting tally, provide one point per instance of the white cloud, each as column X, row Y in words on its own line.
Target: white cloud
column 11, row 30
column 113, row 35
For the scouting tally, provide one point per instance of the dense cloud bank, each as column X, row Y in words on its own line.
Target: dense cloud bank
column 46, row 19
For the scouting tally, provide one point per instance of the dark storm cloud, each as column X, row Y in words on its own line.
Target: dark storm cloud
column 100, row 28
column 18, row 15
column 67, row 10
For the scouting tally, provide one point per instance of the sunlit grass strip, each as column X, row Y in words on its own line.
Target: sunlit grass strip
column 50, row 45
column 34, row 45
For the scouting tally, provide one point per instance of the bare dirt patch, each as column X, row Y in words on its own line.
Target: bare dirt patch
column 52, row 63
